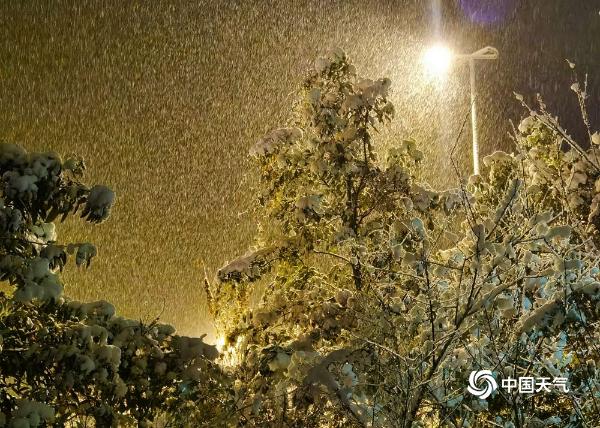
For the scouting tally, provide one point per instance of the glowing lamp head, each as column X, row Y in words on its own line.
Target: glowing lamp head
column 437, row 61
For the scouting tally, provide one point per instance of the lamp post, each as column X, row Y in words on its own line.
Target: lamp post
column 438, row 60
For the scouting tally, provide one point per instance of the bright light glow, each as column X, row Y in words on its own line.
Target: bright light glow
column 437, row 61
column 220, row 343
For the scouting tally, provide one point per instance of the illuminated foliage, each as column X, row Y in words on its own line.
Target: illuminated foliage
column 369, row 297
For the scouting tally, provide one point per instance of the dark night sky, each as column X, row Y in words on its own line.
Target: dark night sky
column 163, row 100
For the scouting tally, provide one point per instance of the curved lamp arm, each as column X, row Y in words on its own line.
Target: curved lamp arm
column 489, row 52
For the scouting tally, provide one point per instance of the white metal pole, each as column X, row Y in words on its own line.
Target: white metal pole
column 474, row 117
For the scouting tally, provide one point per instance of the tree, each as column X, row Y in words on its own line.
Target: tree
column 369, row 298
column 67, row 363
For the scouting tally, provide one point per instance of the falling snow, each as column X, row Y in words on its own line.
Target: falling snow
column 163, row 102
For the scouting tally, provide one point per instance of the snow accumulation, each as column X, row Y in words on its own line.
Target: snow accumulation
column 307, row 206
column 526, row 124
column 497, row 157
column 272, row 141
column 40, row 282
column 192, row 347
column 43, row 165
column 367, row 92
column 44, row 232
column 99, row 203
column 85, row 252
column 30, row 414
column 323, row 63
column 247, row 265
column 100, row 308
column 18, row 185
column 12, row 154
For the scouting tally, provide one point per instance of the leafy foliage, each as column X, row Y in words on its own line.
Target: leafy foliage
column 67, row 363
column 370, row 297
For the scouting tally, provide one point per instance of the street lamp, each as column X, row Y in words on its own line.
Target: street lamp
column 438, row 59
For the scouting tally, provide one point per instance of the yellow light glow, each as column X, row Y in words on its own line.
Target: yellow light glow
column 220, row 344
column 437, row 61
